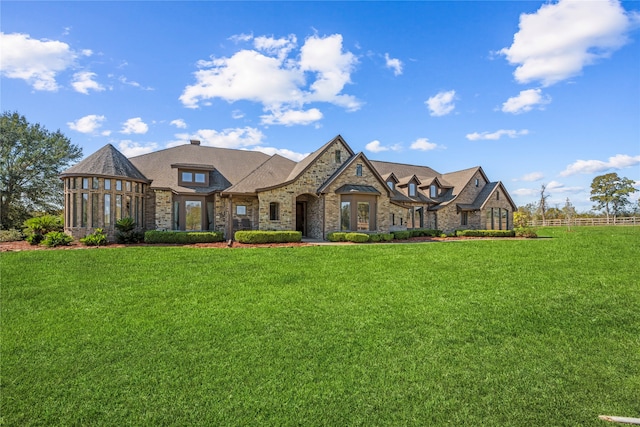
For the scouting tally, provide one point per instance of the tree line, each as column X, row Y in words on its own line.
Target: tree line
column 609, row 192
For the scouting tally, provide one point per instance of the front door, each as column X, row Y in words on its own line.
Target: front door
column 301, row 216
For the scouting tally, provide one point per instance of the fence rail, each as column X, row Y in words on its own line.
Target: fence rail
column 630, row 220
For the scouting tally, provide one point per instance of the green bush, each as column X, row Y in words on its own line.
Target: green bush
column 527, row 232
column 11, row 235
column 185, row 237
column 257, row 237
column 97, row 238
column 337, row 236
column 56, row 238
column 401, row 234
column 357, row 237
column 37, row 227
column 126, row 231
column 485, row 233
column 425, row 232
column 380, row 237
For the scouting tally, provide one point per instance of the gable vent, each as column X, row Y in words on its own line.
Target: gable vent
column 195, row 142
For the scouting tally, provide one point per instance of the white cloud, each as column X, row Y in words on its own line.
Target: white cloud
column 526, row 192
column 83, row 82
column 533, row 176
column 496, row 135
column 131, row 149
column 292, row 117
column 134, row 125
column 35, row 61
column 557, row 187
column 526, row 101
column 289, row 154
column 276, row 47
column 124, row 80
column 179, row 123
column 558, row 40
column 237, row 114
column 87, row 124
column 394, row 64
column 273, row 76
column 333, row 68
column 423, row 144
column 227, row 138
column 619, row 161
column 441, row 104
column 376, row 147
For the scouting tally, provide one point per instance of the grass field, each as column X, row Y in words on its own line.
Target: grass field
column 492, row 332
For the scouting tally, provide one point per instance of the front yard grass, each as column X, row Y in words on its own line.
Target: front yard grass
column 492, row 332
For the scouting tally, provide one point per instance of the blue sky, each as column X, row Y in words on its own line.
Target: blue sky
column 534, row 92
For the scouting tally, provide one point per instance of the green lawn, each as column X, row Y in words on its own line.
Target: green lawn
column 494, row 332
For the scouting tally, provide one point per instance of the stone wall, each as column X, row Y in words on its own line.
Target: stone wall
column 348, row 176
column 163, row 210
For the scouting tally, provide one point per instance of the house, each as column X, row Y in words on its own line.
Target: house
column 193, row 187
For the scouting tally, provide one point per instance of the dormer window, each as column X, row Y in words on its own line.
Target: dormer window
column 193, row 178
column 412, row 189
column 391, row 185
column 497, row 195
column 477, row 182
column 358, row 170
column 433, row 191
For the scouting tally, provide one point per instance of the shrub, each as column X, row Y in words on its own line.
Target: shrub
column 11, row 235
column 337, row 236
column 486, row 233
column 401, row 235
column 527, row 232
column 37, row 227
column 357, row 237
column 56, row 238
column 380, row 237
column 97, row 238
column 126, row 231
column 375, row 238
column 425, row 232
column 257, row 237
column 185, row 237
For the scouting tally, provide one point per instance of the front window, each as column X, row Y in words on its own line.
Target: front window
column 118, row 185
column 345, row 216
column 107, row 184
column 241, row 210
column 338, row 156
column 464, row 218
column 187, row 177
column 358, row 213
column 358, row 170
column 412, row 189
column 193, row 178
column 193, row 215
column 433, row 191
column 95, row 185
column 95, row 209
column 199, row 177
column 274, row 211
column 107, row 209
column 363, row 216
column 85, row 183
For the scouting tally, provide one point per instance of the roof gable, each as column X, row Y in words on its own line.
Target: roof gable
column 305, row 163
column 360, row 156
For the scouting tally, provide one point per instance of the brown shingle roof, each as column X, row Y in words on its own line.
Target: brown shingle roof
column 230, row 166
column 272, row 172
column 107, row 161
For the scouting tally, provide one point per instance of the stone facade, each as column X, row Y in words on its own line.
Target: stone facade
column 163, row 211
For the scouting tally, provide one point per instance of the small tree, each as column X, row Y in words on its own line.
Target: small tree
column 611, row 193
